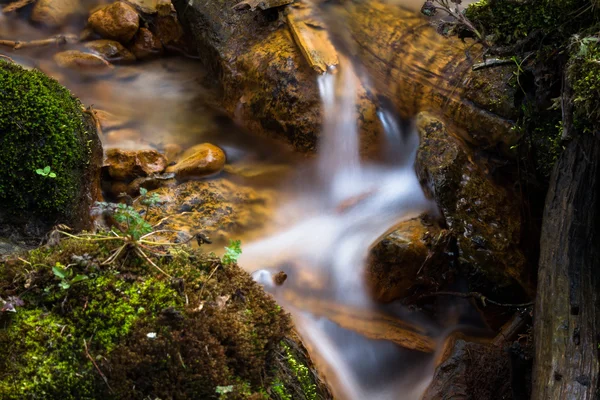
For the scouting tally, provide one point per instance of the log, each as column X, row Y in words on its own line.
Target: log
column 421, row 70
column 567, row 312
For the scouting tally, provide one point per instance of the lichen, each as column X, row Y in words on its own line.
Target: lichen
column 209, row 327
column 41, row 124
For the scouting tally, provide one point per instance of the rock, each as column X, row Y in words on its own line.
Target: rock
column 219, row 208
column 42, row 125
column 394, row 264
column 268, row 83
column 145, row 45
column 471, row 370
column 150, row 183
column 110, row 50
column 484, row 218
column 118, row 21
column 85, row 63
column 199, row 161
column 54, row 13
column 168, row 30
column 126, row 165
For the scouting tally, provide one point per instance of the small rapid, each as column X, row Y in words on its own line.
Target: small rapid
column 341, row 208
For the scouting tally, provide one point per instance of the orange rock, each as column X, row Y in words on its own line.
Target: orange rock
column 126, row 165
column 118, row 21
column 54, row 12
column 111, row 50
column 172, row 152
column 199, row 161
column 146, row 45
column 82, row 62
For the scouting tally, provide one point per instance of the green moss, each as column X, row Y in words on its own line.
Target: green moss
column 584, row 75
column 508, row 21
column 41, row 125
column 152, row 337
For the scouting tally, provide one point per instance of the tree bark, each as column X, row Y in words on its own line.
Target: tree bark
column 567, row 313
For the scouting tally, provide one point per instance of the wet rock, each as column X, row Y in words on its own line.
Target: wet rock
column 471, row 370
column 268, row 83
column 111, row 51
column 126, row 165
column 85, row 63
column 483, row 216
column 145, row 45
column 150, row 183
column 54, row 13
column 118, row 21
column 199, row 161
column 219, row 208
column 396, row 262
column 168, row 30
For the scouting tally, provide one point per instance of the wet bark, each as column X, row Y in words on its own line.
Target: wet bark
column 567, row 313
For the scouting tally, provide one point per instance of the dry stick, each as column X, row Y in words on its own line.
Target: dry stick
column 8, row 58
column 58, row 40
column 145, row 257
column 87, row 353
column 207, row 279
column 478, row 296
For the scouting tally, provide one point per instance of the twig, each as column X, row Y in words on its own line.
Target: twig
column 145, row 257
column 8, row 58
column 478, row 296
column 87, row 353
column 492, row 62
column 58, row 40
column 207, row 279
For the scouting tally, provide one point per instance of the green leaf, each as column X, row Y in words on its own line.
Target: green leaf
column 233, row 252
column 52, row 175
column 46, row 169
column 64, row 285
column 143, row 191
column 79, row 278
column 59, row 271
column 224, row 389
column 39, row 172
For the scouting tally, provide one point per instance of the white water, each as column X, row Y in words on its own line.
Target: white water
column 346, row 206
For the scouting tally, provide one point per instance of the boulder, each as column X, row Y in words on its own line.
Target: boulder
column 146, row 45
column 118, row 21
column 126, row 165
column 54, row 13
column 398, row 263
column 50, row 154
column 484, row 217
column 267, row 82
column 199, row 161
column 110, row 50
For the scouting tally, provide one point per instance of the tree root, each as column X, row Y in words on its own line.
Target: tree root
column 477, row 296
column 57, row 40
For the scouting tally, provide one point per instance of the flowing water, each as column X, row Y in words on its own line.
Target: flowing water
column 348, row 206
column 330, row 214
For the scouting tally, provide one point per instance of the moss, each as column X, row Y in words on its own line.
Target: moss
column 584, row 75
column 152, row 337
column 508, row 21
column 41, row 125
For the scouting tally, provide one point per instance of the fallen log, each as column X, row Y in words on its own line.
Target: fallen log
column 567, row 312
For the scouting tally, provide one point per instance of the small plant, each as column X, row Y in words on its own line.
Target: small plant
column 66, row 277
column 232, row 253
column 452, row 8
column 11, row 304
column 46, row 172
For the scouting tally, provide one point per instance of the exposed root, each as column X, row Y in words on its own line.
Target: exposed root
column 87, row 354
column 56, row 40
column 478, row 296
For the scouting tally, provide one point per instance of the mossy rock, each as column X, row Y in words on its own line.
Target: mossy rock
column 484, row 217
column 210, row 332
column 43, row 125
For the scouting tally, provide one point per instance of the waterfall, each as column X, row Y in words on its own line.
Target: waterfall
column 347, row 207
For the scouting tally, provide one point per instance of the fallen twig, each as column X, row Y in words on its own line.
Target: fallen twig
column 58, row 40
column 478, row 296
column 208, row 279
column 8, row 58
column 491, row 62
column 87, row 353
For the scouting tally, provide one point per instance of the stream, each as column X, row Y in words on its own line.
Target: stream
column 328, row 211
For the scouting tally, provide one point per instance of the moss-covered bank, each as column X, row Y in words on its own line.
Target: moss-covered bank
column 43, row 125
column 129, row 332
